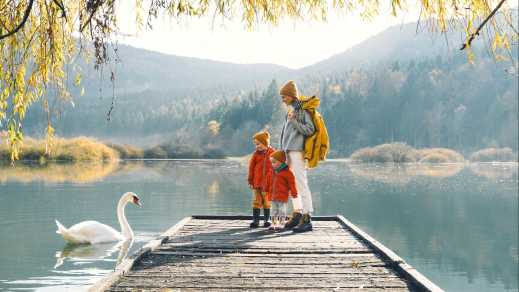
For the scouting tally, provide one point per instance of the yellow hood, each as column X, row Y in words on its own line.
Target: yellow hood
column 310, row 103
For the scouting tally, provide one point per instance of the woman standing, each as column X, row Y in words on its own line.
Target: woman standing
column 298, row 126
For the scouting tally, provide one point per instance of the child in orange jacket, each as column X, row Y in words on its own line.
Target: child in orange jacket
column 259, row 168
column 281, row 184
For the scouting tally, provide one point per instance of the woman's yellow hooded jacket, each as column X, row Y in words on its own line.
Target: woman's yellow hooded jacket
column 316, row 146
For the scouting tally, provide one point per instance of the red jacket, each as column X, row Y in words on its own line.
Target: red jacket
column 282, row 184
column 259, row 167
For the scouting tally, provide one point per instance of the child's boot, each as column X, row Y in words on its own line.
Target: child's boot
column 294, row 220
column 304, row 225
column 266, row 214
column 255, row 218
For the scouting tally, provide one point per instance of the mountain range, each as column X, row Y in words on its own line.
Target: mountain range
column 141, row 70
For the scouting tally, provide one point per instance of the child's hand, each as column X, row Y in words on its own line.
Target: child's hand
column 294, row 196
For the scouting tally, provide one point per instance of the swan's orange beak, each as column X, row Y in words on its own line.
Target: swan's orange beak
column 137, row 201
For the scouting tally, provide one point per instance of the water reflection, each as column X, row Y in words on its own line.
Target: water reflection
column 92, row 252
column 88, row 172
column 80, row 172
column 495, row 171
column 402, row 174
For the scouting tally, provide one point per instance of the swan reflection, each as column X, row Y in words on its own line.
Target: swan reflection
column 93, row 252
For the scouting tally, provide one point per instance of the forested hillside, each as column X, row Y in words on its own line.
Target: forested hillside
column 428, row 102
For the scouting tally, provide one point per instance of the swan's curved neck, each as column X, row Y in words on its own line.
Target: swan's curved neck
column 126, row 230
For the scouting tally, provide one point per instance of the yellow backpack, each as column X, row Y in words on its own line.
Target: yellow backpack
column 317, row 145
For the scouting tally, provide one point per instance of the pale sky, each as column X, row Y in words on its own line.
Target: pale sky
column 294, row 45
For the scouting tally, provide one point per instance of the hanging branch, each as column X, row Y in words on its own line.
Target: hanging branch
column 22, row 23
column 93, row 6
column 59, row 3
column 476, row 33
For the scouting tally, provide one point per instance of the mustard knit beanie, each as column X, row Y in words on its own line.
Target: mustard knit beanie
column 289, row 89
column 262, row 137
column 279, row 156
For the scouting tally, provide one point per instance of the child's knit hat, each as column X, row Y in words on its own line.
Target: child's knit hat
column 262, row 137
column 289, row 89
column 279, row 156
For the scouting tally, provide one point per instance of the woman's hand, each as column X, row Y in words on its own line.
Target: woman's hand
column 291, row 115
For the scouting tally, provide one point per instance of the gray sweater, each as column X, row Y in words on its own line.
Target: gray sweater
column 295, row 130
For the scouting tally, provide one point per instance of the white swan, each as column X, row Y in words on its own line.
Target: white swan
column 93, row 232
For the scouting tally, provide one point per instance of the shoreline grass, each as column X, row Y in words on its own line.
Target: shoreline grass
column 79, row 149
column 494, row 155
column 63, row 150
column 402, row 153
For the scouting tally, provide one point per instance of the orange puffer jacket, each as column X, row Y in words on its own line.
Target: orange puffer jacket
column 281, row 184
column 259, row 168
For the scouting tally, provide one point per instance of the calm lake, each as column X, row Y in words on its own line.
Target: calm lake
column 457, row 224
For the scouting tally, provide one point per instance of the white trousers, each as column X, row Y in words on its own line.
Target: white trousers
column 303, row 202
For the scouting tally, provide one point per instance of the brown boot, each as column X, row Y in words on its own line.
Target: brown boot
column 305, row 224
column 294, row 220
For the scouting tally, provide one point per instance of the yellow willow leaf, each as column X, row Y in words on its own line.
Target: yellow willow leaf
column 20, row 77
column 77, row 80
column 50, row 131
column 506, row 43
column 496, row 43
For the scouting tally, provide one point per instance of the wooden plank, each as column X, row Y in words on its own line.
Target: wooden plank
column 249, row 217
column 168, row 275
column 258, row 260
column 268, row 270
column 245, row 224
column 271, row 237
column 267, row 251
column 267, row 283
column 264, row 244
column 274, row 255
column 336, row 289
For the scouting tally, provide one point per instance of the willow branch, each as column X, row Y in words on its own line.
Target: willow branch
column 61, row 6
column 476, row 33
column 22, row 23
column 94, row 7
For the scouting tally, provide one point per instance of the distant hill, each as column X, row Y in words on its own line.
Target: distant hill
column 142, row 70
column 400, row 43
column 397, row 43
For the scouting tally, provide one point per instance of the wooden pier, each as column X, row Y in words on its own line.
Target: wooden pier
column 220, row 253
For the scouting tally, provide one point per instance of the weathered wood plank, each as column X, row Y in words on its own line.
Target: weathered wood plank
column 272, row 246
column 262, row 274
column 360, row 288
column 267, row 271
column 273, row 282
column 267, row 251
column 273, row 255
column 259, row 260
